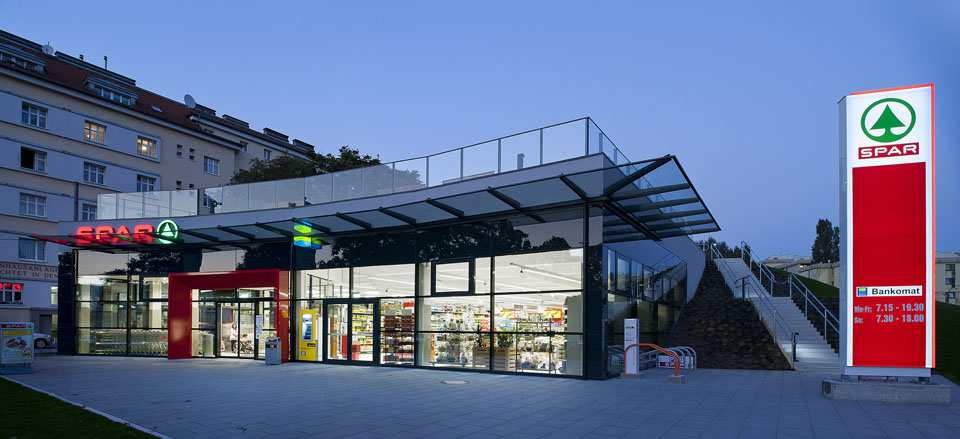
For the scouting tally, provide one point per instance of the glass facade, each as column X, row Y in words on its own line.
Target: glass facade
column 504, row 295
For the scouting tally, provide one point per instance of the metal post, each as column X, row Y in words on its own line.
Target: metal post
column 461, row 164
column 794, row 347
column 541, row 146
column 499, row 158
column 428, row 165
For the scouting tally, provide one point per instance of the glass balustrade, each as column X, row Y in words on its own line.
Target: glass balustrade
column 577, row 138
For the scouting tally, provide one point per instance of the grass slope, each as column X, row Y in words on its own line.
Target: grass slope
column 31, row 414
column 948, row 340
column 948, row 327
column 819, row 289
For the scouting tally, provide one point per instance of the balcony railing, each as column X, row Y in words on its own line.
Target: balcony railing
column 550, row 144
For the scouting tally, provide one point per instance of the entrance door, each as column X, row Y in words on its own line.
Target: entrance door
column 350, row 331
column 237, row 330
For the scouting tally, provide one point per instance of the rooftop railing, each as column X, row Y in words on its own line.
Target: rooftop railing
column 550, row 144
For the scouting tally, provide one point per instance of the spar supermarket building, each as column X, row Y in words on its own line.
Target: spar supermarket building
column 522, row 254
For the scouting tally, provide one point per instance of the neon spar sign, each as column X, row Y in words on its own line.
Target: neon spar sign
column 142, row 234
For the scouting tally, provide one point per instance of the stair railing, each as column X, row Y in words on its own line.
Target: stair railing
column 752, row 259
column 751, row 288
column 810, row 300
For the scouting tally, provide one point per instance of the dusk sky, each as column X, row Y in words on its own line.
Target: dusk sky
column 745, row 94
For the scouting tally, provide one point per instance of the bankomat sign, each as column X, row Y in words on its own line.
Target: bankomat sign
column 887, row 230
column 140, row 233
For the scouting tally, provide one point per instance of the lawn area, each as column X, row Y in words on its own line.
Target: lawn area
column 31, row 414
column 819, row 289
column 948, row 340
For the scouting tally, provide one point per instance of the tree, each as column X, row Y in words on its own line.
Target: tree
column 288, row 166
column 826, row 246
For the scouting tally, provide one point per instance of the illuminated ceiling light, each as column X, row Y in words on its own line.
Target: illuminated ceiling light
column 544, row 273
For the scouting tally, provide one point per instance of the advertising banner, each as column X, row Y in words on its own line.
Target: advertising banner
column 17, row 343
column 887, row 231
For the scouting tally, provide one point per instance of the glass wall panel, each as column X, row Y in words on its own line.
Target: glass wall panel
column 346, row 185
column 384, row 281
column 563, row 142
column 546, row 312
column 319, row 189
column 102, row 314
column 97, row 263
column 154, row 288
column 623, row 276
column 148, row 342
column 454, row 313
column 203, row 344
column 410, row 174
column 236, row 198
column 377, row 180
column 397, row 331
column 454, row 349
column 102, row 341
column 545, row 271
column 480, row 160
column 102, row 288
column 152, row 315
column 520, row 151
column 451, row 277
column 444, row 168
column 323, row 283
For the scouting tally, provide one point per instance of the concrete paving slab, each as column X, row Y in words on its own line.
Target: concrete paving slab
column 237, row 398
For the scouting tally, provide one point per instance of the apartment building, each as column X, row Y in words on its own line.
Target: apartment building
column 69, row 131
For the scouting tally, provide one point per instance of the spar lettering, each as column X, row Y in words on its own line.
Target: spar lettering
column 107, row 234
column 883, row 151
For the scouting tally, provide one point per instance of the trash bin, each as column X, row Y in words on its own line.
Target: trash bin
column 272, row 348
column 206, row 346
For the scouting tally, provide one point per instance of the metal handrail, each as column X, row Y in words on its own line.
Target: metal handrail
column 765, row 299
column 676, row 358
column 818, row 306
column 746, row 250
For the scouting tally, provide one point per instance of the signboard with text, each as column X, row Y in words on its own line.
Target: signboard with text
column 887, row 229
column 17, row 343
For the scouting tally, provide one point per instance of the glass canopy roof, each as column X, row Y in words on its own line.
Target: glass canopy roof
column 651, row 199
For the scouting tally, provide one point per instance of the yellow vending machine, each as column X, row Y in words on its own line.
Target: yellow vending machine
column 307, row 342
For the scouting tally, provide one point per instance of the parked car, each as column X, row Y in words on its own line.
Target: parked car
column 41, row 341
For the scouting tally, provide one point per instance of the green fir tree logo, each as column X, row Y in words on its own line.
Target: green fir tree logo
column 887, row 121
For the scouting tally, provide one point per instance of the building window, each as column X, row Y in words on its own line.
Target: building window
column 33, row 205
column 146, row 184
column 951, row 267
column 112, row 95
column 32, row 115
column 88, row 212
column 11, row 292
column 95, row 132
column 31, row 159
column 31, row 249
column 146, row 147
column 266, row 154
column 243, row 146
column 93, row 173
column 948, row 281
column 211, row 166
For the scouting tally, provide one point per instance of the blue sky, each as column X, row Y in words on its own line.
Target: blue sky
column 745, row 94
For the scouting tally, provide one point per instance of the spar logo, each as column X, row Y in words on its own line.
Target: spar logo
column 885, row 120
column 888, row 120
column 140, row 233
column 909, row 290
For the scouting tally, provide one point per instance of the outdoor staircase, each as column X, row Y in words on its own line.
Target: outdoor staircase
column 813, row 352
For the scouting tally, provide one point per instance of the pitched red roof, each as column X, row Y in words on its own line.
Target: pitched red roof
column 72, row 73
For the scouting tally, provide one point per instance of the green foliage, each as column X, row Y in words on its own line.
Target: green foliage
column 722, row 247
column 826, row 246
column 819, row 289
column 33, row 414
column 948, row 338
column 288, row 166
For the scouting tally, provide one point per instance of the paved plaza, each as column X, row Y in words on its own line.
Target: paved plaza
column 243, row 398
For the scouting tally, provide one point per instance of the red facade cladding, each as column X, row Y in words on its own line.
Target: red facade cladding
column 889, row 219
column 180, row 303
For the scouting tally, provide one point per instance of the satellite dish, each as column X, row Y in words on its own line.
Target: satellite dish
column 48, row 50
column 187, row 99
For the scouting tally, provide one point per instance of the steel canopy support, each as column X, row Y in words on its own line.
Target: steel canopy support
column 514, row 204
column 232, row 231
column 397, row 216
column 362, row 224
column 623, row 182
column 446, row 208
